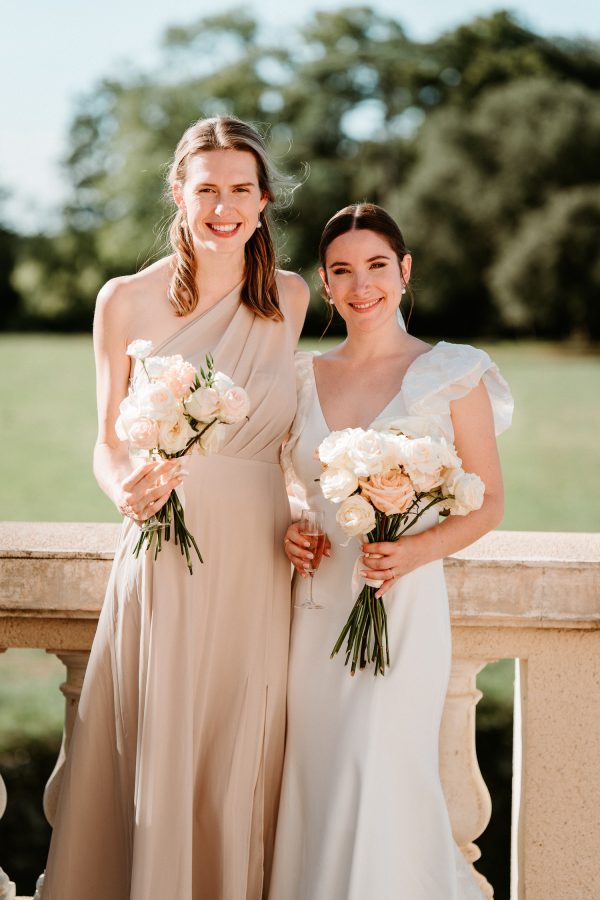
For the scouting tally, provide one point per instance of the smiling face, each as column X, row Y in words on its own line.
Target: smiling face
column 364, row 278
column 221, row 198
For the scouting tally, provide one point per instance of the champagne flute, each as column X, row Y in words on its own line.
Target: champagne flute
column 311, row 527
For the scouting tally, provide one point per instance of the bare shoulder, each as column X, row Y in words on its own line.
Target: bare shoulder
column 294, row 295
column 294, row 288
column 124, row 300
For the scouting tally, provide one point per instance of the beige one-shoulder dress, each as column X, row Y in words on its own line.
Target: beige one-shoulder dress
column 172, row 781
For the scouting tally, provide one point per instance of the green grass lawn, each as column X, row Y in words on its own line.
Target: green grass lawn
column 47, row 410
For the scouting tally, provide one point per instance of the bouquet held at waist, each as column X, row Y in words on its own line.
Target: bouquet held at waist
column 173, row 409
column 385, row 478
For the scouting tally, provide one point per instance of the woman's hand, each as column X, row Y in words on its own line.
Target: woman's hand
column 295, row 546
column 147, row 489
column 388, row 561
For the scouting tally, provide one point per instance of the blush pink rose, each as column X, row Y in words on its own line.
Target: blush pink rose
column 179, row 378
column 234, row 405
column 143, row 434
column 391, row 492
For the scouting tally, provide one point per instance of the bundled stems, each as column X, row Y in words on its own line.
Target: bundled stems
column 169, row 516
column 366, row 631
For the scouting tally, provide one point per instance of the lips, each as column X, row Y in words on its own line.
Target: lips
column 224, row 229
column 366, row 305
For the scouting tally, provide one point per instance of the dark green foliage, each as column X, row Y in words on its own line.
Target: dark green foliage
column 463, row 138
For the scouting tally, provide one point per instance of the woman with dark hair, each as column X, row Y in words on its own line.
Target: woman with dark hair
column 172, row 778
column 362, row 812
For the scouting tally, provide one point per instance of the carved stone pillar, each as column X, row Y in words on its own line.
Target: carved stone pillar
column 75, row 663
column 468, row 799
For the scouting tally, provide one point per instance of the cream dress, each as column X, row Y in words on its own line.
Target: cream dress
column 362, row 811
column 172, row 781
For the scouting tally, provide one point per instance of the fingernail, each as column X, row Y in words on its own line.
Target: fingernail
column 306, row 566
column 310, row 555
column 184, row 472
column 306, row 544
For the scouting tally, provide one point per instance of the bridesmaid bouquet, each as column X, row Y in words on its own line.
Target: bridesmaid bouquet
column 171, row 409
column 385, row 479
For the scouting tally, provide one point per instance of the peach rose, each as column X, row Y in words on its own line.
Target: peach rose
column 391, row 492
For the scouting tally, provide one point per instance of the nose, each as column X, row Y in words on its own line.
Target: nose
column 362, row 282
column 222, row 206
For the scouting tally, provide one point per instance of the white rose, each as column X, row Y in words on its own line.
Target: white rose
column 158, row 365
column 128, row 413
column 234, row 405
column 426, row 462
column 157, row 402
column 139, row 349
column 356, row 516
column 468, row 491
column 333, row 451
column 211, row 440
column 337, row 484
column 173, row 436
column 222, row 382
column 203, row 404
column 369, row 453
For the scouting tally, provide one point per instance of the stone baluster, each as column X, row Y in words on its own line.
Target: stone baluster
column 75, row 662
column 7, row 887
column 468, row 799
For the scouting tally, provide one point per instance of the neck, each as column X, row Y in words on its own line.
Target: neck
column 360, row 346
column 218, row 273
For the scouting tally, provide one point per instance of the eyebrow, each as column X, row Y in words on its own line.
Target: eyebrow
column 241, row 184
column 370, row 259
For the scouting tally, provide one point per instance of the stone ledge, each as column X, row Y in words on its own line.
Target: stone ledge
column 58, row 571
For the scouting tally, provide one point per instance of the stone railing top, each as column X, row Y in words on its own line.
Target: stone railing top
column 97, row 540
column 58, row 540
column 52, row 570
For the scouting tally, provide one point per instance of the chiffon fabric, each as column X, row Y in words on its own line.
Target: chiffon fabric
column 172, row 780
column 362, row 812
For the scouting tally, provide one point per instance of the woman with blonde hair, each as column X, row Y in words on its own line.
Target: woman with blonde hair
column 172, row 779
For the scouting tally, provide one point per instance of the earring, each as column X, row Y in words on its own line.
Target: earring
column 259, row 224
column 403, row 291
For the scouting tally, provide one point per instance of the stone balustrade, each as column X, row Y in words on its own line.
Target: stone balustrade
column 533, row 597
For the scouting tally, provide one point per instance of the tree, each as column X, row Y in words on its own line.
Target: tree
column 375, row 115
column 479, row 175
column 547, row 278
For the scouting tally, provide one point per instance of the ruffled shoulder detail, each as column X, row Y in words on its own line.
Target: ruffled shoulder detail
column 303, row 362
column 450, row 371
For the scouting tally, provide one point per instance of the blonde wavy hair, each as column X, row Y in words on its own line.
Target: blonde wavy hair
column 259, row 289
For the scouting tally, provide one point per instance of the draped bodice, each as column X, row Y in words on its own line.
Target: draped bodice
column 258, row 354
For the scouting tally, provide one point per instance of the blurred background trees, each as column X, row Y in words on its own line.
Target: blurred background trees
column 483, row 144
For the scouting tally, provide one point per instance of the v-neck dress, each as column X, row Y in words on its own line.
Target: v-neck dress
column 172, row 778
column 362, row 810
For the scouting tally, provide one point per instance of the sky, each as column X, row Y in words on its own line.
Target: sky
column 53, row 51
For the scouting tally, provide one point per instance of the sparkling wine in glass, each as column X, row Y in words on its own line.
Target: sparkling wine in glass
column 311, row 527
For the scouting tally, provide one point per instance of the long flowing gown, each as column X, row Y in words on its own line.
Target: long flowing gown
column 172, row 781
column 362, row 811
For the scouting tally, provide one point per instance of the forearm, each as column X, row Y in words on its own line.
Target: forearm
column 453, row 533
column 111, row 466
